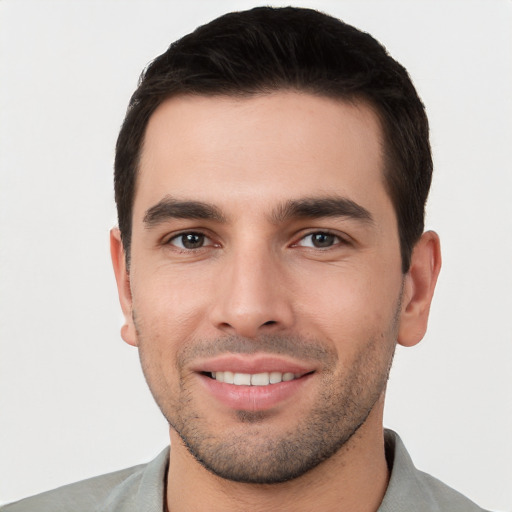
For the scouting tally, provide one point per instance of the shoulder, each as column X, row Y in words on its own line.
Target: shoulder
column 112, row 491
column 446, row 497
column 79, row 496
column 411, row 489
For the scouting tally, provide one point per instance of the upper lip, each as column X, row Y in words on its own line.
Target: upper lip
column 258, row 363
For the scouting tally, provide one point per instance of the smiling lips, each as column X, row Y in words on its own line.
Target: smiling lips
column 254, row 379
column 241, row 384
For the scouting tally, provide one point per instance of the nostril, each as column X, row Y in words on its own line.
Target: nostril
column 270, row 322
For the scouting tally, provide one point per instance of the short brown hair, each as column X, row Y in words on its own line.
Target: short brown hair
column 267, row 49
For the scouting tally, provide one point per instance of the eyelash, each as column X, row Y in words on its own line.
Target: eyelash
column 336, row 240
column 189, row 233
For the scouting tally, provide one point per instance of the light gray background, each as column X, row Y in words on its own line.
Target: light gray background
column 73, row 402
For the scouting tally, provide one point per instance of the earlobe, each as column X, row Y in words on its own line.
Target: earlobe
column 128, row 332
column 419, row 285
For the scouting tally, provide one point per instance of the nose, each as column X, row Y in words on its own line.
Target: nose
column 252, row 295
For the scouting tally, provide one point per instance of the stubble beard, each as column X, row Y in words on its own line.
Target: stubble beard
column 257, row 454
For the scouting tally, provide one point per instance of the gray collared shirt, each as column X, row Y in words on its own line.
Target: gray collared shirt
column 142, row 488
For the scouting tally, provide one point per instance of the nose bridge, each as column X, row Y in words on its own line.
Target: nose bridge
column 252, row 298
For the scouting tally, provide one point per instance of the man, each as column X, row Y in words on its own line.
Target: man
column 271, row 176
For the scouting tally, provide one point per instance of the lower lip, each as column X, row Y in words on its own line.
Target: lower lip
column 254, row 398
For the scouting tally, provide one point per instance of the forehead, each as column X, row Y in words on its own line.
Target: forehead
column 257, row 149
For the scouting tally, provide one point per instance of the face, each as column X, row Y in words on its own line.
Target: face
column 265, row 284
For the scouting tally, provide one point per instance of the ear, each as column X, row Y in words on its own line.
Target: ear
column 419, row 286
column 128, row 332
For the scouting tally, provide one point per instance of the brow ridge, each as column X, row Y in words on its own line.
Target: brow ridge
column 317, row 207
column 172, row 208
column 308, row 207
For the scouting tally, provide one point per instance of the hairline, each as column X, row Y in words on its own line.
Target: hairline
column 388, row 158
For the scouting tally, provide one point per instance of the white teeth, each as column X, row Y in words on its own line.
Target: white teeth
column 275, row 377
column 260, row 379
column 242, row 379
column 254, row 379
column 228, row 377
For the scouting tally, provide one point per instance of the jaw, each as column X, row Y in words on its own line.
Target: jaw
column 355, row 475
column 253, row 434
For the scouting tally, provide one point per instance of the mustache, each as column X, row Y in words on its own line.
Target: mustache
column 297, row 347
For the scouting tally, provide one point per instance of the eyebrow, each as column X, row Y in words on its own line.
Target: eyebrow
column 170, row 208
column 304, row 208
column 317, row 207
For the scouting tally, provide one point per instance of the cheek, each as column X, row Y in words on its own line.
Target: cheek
column 348, row 305
column 170, row 304
column 167, row 313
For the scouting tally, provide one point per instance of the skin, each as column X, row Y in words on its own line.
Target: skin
column 259, row 284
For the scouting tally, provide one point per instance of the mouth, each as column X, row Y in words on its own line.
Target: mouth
column 256, row 383
column 254, row 379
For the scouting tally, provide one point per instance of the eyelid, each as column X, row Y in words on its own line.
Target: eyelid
column 342, row 239
column 209, row 242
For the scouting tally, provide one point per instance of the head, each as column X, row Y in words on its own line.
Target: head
column 270, row 49
column 271, row 175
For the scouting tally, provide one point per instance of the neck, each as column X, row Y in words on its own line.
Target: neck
column 354, row 479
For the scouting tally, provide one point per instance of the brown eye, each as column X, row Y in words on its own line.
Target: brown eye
column 322, row 240
column 189, row 241
column 319, row 240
